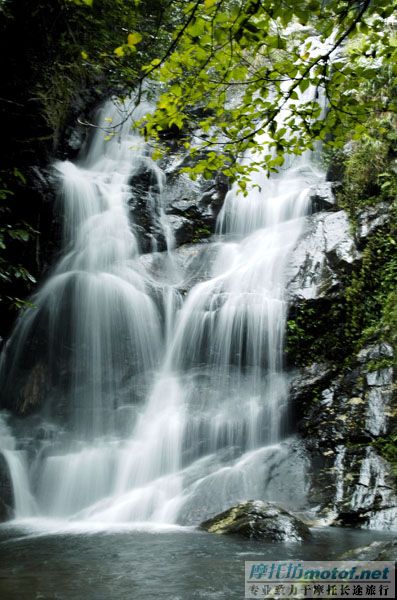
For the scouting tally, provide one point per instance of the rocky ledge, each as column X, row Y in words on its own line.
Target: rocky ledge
column 375, row 551
column 260, row 521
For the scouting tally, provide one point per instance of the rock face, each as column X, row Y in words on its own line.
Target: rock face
column 372, row 219
column 375, row 551
column 345, row 405
column 6, row 493
column 343, row 417
column 181, row 212
column 323, row 197
column 355, row 406
column 325, row 252
column 260, row 521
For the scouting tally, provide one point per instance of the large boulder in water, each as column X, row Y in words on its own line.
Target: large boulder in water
column 258, row 520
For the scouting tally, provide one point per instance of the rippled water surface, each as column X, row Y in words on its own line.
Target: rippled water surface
column 124, row 564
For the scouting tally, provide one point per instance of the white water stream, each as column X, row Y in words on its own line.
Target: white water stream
column 161, row 407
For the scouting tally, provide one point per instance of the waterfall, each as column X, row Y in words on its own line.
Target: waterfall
column 163, row 408
column 24, row 503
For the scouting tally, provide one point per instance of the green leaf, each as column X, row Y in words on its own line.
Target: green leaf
column 119, row 51
column 134, row 39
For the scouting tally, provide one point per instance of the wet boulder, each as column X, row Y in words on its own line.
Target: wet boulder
column 144, row 207
column 258, row 520
column 183, row 229
column 177, row 208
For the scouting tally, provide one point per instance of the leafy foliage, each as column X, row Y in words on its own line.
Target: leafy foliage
column 370, row 178
column 312, row 338
column 371, row 295
column 240, row 64
column 12, row 235
column 387, row 446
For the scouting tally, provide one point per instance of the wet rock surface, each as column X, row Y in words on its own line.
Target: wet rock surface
column 323, row 197
column 343, row 413
column 342, row 418
column 369, row 500
column 181, row 212
column 193, row 207
column 322, row 256
column 355, row 406
column 371, row 220
column 375, row 551
column 6, row 493
column 258, row 520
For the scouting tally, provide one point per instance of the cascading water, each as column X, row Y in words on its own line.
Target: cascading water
column 158, row 407
column 16, row 461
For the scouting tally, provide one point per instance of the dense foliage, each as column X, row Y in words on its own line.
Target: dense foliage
column 241, row 64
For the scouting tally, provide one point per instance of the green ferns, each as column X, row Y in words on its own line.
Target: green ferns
column 370, row 179
column 14, row 277
column 387, row 447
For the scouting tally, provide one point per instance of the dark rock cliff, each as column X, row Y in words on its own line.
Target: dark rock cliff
column 6, row 493
column 44, row 91
column 343, row 391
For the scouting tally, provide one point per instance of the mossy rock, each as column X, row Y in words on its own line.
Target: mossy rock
column 258, row 520
column 375, row 551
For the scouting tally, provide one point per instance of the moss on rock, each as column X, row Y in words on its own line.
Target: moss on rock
column 258, row 520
